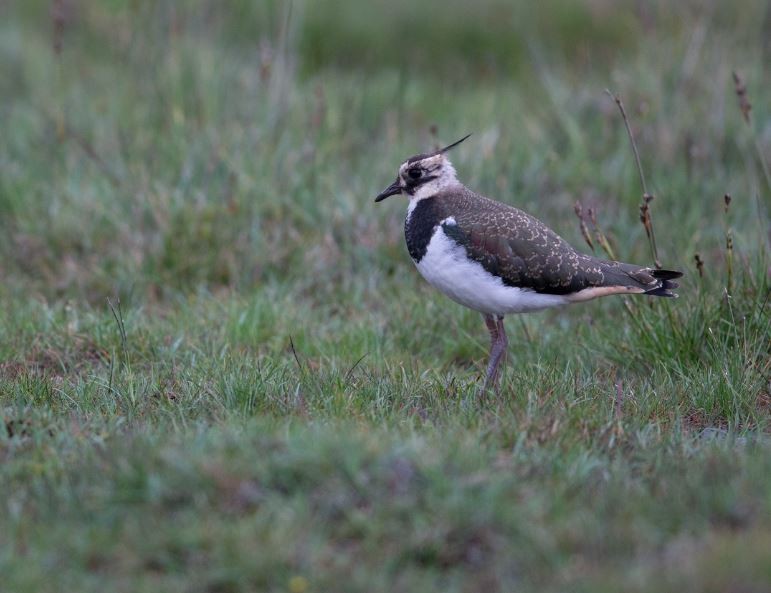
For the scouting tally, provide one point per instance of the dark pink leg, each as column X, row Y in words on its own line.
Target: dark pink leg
column 498, row 346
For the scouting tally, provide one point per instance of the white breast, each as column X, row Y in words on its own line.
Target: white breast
column 447, row 267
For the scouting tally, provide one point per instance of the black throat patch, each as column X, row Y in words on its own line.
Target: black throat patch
column 421, row 225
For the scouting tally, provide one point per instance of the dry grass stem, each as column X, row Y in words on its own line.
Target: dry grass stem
column 741, row 92
column 740, row 87
column 579, row 210
column 599, row 234
column 699, row 264
column 729, row 245
column 645, row 215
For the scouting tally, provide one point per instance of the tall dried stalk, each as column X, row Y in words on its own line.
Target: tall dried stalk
column 647, row 198
column 740, row 87
column 729, row 247
column 599, row 234
column 579, row 210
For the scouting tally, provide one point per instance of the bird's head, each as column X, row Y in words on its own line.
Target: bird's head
column 423, row 175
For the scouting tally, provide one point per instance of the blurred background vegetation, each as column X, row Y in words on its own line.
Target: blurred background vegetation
column 219, row 370
column 163, row 146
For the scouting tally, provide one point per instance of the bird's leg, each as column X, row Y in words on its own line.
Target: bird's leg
column 503, row 341
column 492, row 327
column 498, row 345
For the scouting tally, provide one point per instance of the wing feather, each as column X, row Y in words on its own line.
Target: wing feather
column 525, row 253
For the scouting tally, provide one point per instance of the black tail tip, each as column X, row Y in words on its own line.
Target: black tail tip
column 666, row 284
column 666, row 274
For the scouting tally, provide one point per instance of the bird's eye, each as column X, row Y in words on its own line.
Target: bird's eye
column 414, row 173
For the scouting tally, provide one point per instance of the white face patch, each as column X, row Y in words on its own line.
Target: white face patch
column 447, row 267
column 438, row 167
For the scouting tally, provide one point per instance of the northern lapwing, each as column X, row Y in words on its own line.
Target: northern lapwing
column 496, row 259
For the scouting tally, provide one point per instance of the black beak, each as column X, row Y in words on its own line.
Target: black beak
column 391, row 190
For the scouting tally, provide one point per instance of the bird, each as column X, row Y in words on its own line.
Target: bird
column 498, row 260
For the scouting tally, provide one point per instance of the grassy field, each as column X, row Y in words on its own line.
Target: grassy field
column 220, row 371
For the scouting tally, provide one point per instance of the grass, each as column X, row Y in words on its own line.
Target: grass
column 219, row 370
